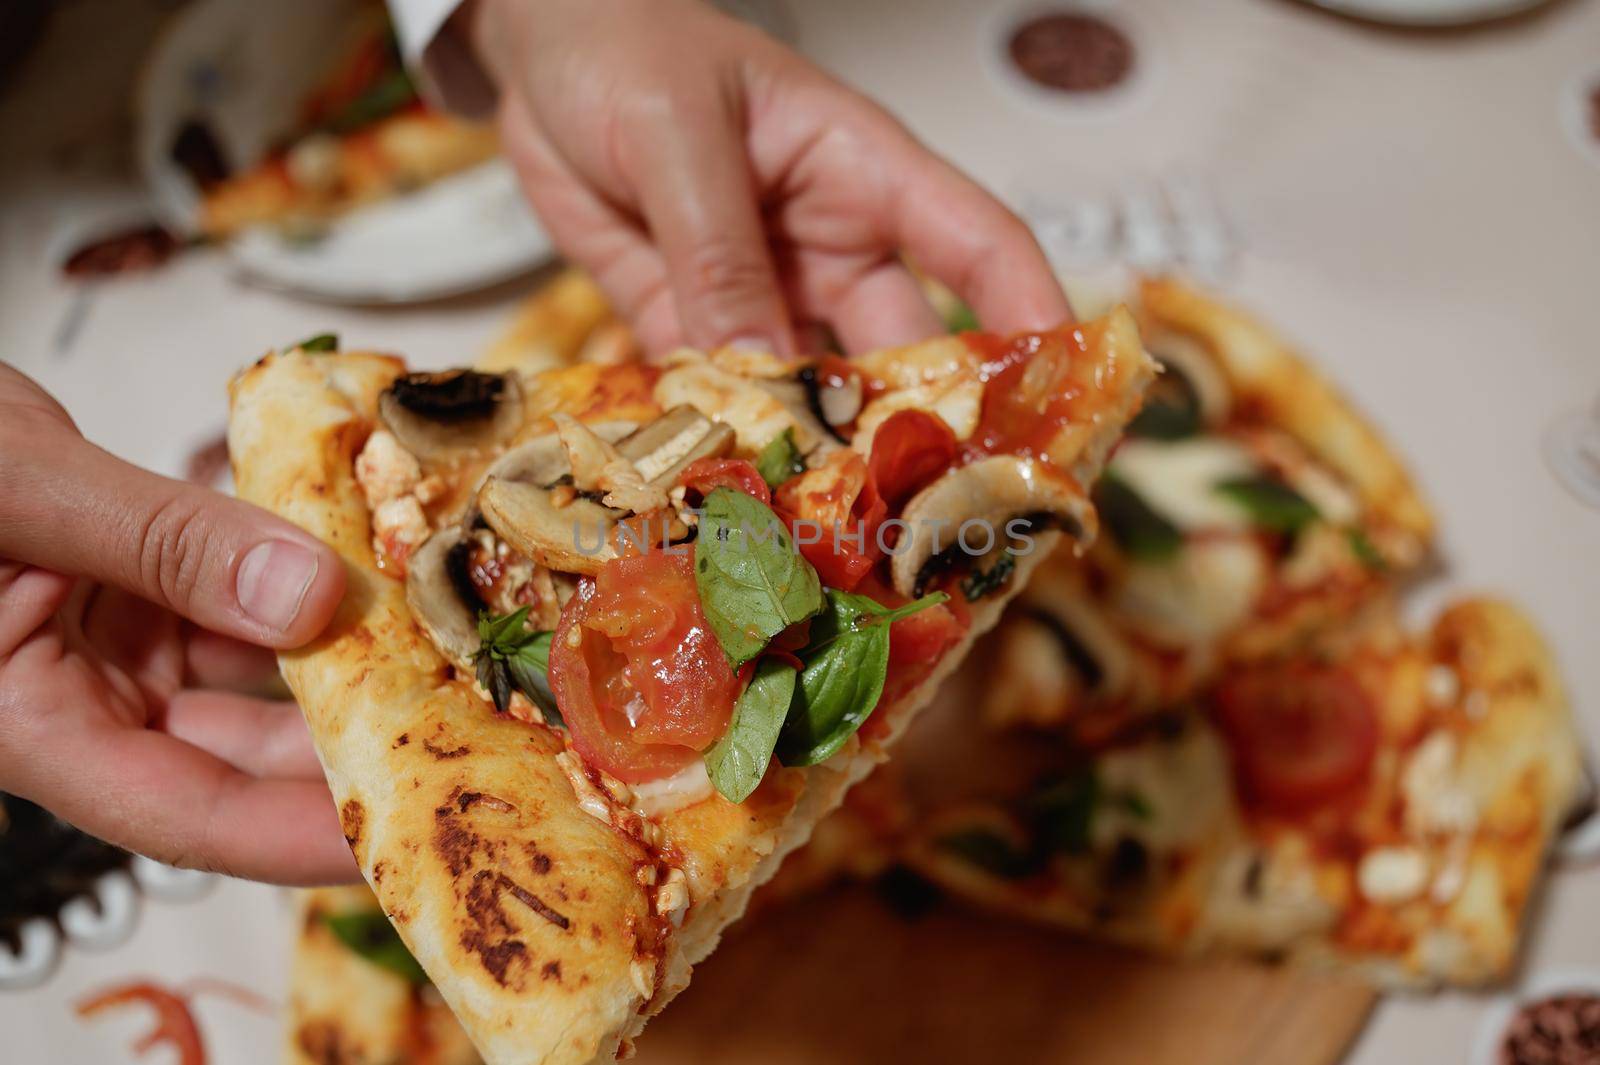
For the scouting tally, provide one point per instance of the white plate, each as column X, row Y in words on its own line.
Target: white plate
column 1429, row 12
column 243, row 68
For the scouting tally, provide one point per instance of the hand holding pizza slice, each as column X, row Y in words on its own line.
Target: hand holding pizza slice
column 617, row 637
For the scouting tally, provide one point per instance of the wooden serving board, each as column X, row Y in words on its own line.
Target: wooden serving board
column 839, row 978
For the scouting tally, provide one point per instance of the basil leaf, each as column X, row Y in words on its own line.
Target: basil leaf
column 738, row 761
column 841, row 683
column 1062, row 812
column 381, row 99
column 959, row 318
column 1272, row 504
column 990, row 851
column 369, row 934
column 495, row 630
column 753, row 583
column 780, row 459
column 320, row 344
column 511, row 656
column 1365, row 552
column 529, row 667
column 1138, row 529
column 980, row 583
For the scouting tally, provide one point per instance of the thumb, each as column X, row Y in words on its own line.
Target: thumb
column 230, row 567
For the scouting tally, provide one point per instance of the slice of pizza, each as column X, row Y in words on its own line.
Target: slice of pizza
column 1382, row 804
column 617, row 637
column 567, row 319
column 1248, row 508
column 363, row 135
column 357, row 996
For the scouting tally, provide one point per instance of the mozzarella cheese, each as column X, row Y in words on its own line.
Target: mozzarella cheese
column 754, row 413
column 385, row 470
column 400, row 524
column 1197, row 597
column 957, row 400
column 686, row 787
column 1436, row 801
column 1390, row 876
column 1179, row 479
column 1182, row 787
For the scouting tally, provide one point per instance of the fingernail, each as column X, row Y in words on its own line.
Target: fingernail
column 273, row 580
column 760, row 344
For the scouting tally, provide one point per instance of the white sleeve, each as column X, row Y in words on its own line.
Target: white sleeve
column 447, row 72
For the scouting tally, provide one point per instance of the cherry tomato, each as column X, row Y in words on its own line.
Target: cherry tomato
column 1300, row 735
column 703, row 475
column 647, row 686
column 850, row 500
column 909, row 450
column 916, row 644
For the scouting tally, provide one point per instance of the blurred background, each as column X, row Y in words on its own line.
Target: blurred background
column 1410, row 188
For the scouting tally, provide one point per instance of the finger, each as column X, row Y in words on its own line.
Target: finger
column 591, row 232
column 685, row 155
column 222, row 563
column 153, row 794
column 222, row 663
column 262, row 737
column 884, row 308
column 949, row 226
column 29, row 596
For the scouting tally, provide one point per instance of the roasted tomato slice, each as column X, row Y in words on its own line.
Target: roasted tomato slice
column 636, row 671
column 703, row 475
column 1301, row 735
column 838, row 492
column 909, row 450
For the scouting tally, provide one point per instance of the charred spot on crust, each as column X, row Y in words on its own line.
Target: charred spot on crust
column 500, row 882
column 540, row 860
column 443, row 755
column 449, row 397
column 352, row 817
column 498, row 956
column 402, row 739
column 551, row 971
column 455, row 844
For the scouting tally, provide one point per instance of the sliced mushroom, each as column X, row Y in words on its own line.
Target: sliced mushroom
column 832, row 403
column 441, row 594
column 981, row 498
column 572, row 534
column 839, row 402
column 810, row 429
column 1190, row 376
column 438, row 415
column 541, row 461
column 571, row 538
column 661, row 449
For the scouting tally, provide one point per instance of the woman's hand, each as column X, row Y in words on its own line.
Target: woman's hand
column 721, row 189
column 114, row 710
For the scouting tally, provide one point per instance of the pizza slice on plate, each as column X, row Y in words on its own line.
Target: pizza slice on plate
column 617, row 637
column 1248, row 508
column 1382, row 804
column 357, row 996
column 364, row 135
